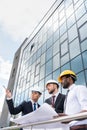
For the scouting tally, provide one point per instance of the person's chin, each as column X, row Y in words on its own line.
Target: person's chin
column 64, row 87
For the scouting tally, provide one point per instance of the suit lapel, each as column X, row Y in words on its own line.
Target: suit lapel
column 57, row 100
column 30, row 105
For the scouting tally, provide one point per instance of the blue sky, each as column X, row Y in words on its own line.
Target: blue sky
column 7, row 45
column 18, row 18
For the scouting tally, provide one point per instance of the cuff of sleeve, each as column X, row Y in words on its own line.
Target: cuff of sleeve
column 9, row 98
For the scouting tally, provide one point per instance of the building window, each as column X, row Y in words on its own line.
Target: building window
column 64, row 48
column 56, row 74
column 32, row 48
column 76, row 64
column 83, row 32
column 70, row 21
column 39, row 53
column 49, row 67
column 56, row 36
column 49, row 53
column 56, row 47
column 84, row 55
column 28, row 76
column 56, row 62
column 42, row 72
column 84, row 45
column 49, row 42
column 74, row 48
column 81, row 78
column 80, row 11
column 63, row 29
column 65, row 59
column 65, row 67
column 41, row 84
column 37, row 69
column 72, row 33
column 43, row 59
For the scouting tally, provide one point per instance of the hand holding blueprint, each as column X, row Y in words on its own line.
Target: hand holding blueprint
column 43, row 113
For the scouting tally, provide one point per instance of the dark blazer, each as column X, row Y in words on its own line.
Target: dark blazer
column 24, row 107
column 59, row 103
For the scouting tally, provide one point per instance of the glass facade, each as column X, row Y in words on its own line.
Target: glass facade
column 60, row 43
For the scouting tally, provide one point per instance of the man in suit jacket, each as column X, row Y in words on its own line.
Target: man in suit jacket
column 57, row 99
column 24, row 107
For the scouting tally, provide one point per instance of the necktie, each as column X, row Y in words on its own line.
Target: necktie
column 34, row 106
column 53, row 101
column 66, row 100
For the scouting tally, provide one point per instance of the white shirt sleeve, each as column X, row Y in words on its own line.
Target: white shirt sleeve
column 81, row 94
column 9, row 98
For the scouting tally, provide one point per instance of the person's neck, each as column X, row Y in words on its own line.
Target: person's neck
column 70, row 85
column 56, row 91
column 34, row 101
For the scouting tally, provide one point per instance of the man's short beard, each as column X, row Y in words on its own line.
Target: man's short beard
column 51, row 92
column 66, row 85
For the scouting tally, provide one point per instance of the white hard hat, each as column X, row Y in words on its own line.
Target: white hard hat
column 52, row 82
column 36, row 89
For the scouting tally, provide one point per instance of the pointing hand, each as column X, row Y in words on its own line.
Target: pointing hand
column 8, row 93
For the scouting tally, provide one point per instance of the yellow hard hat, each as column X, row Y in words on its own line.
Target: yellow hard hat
column 67, row 72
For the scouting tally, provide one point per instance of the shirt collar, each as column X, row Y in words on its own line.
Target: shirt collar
column 33, row 101
column 71, row 87
column 56, row 94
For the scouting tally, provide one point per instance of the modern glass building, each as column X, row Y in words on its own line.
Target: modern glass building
column 59, row 42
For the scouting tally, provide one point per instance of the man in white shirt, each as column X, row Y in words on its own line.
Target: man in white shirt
column 76, row 99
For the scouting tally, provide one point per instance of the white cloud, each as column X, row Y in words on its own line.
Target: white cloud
column 5, row 68
column 20, row 17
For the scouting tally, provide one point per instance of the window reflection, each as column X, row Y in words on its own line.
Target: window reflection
column 43, row 59
column 42, row 72
column 56, row 74
column 56, row 62
column 83, row 32
column 63, row 29
column 69, row 10
column 72, row 33
column 86, row 77
column 56, row 47
column 65, row 59
column 48, row 78
column 81, row 79
column 71, row 21
column 84, row 45
column 81, row 10
column 44, row 48
column 47, row 95
column 84, row 55
column 64, row 48
column 49, row 42
column 56, row 35
column 49, row 67
column 76, row 64
column 74, row 48
column 41, row 84
column 65, row 67
column 49, row 54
